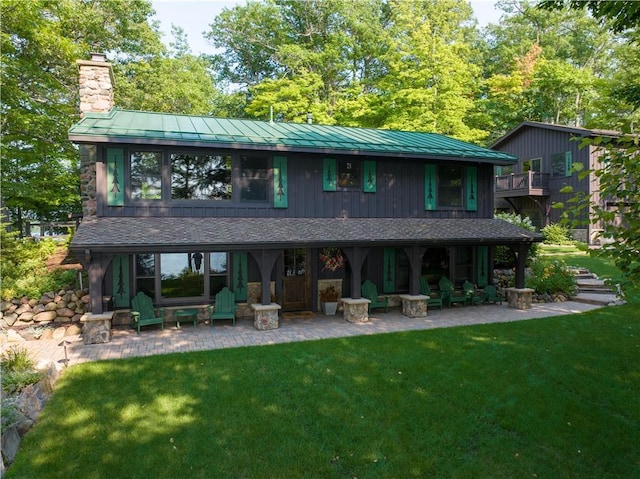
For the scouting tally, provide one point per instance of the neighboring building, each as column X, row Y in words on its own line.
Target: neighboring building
column 179, row 206
column 546, row 155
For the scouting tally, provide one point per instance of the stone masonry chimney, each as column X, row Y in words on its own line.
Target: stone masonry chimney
column 96, row 84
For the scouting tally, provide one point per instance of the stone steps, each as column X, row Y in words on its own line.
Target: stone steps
column 592, row 290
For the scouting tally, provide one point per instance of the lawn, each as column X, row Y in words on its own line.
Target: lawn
column 573, row 256
column 556, row 397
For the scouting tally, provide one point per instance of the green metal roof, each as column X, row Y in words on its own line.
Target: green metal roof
column 124, row 126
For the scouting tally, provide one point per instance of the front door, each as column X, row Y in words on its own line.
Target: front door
column 297, row 280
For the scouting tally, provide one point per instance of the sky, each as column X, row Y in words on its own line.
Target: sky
column 194, row 16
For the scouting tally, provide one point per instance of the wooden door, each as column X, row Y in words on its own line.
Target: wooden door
column 297, row 280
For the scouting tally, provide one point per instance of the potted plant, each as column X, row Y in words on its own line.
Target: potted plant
column 329, row 299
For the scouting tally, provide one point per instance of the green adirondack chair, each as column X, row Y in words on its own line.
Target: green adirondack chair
column 491, row 295
column 435, row 299
column 224, row 307
column 143, row 312
column 473, row 295
column 370, row 292
column 449, row 294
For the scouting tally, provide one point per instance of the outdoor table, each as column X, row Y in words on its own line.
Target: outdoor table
column 185, row 314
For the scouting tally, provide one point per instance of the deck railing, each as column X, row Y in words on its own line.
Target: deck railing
column 522, row 182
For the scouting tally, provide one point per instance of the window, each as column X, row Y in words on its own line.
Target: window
column 348, row 174
column 450, row 186
column 504, row 170
column 145, row 274
column 533, row 164
column 146, row 175
column 200, row 177
column 218, row 272
column 254, row 179
column 561, row 164
column 181, row 275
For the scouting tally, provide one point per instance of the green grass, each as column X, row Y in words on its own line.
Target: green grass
column 555, row 397
column 573, row 256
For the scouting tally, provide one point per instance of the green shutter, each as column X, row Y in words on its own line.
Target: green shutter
column 329, row 181
column 430, row 187
column 240, row 276
column 115, row 177
column 369, row 176
column 280, row 190
column 120, row 281
column 483, row 266
column 472, row 188
column 568, row 163
column 389, row 269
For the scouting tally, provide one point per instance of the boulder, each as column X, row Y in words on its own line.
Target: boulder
column 59, row 332
column 50, row 306
column 38, row 308
column 14, row 337
column 45, row 316
column 10, row 318
column 26, row 317
column 47, row 334
column 73, row 330
column 65, row 312
column 23, row 308
column 5, row 305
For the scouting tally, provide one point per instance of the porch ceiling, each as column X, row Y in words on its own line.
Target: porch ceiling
column 223, row 234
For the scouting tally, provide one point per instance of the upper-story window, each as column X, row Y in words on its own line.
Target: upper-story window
column 534, row 164
column 348, row 174
column 254, row 178
column 561, row 164
column 450, row 186
column 146, row 175
column 200, row 177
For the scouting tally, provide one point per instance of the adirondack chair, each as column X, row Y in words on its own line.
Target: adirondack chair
column 491, row 295
column 473, row 295
column 435, row 299
column 143, row 312
column 449, row 294
column 370, row 292
column 224, row 307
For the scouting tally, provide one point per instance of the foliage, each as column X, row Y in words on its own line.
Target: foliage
column 331, row 259
column 18, row 370
column 24, row 272
column 551, row 276
column 615, row 207
column 552, row 397
column 329, row 294
column 504, row 256
column 557, row 234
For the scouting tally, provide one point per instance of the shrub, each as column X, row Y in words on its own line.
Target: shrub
column 557, row 234
column 503, row 255
column 18, row 370
column 551, row 277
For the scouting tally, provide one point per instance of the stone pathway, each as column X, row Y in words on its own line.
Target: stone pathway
column 593, row 290
column 127, row 343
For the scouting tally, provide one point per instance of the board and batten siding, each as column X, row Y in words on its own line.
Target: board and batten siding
column 399, row 193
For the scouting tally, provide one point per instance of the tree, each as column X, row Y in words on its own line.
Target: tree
column 615, row 207
column 40, row 42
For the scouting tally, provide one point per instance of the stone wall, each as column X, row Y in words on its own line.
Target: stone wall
column 40, row 318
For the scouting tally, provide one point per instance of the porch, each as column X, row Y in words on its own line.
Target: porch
column 530, row 183
column 126, row 342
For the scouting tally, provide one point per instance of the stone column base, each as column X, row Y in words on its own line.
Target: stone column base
column 414, row 306
column 96, row 328
column 356, row 310
column 519, row 298
column 265, row 316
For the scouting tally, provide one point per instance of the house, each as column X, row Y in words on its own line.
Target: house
column 546, row 155
column 180, row 206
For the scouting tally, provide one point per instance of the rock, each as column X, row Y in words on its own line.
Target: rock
column 14, row 337
column 5, row 305
column 61, row 304
column 73, row 330
column 47, row 334
column 65, row 312
column 10, row 444
column 59, row 332
column 12, row 307
column 23, row 308
column 38, row 308
column 62, row 319
column 26, row 317
column 45, row 316
column 86, row 299
column 10, row 318
column 33, row 302
column 50, row 307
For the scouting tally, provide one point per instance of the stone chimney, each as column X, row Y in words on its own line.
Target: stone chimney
column 96, row 84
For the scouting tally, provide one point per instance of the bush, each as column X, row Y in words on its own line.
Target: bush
column 557, row 234
column 504, row 256
column 24, row 270
column 18, row 370
column 551, row 277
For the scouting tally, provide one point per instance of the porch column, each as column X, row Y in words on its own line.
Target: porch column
column 266, row 260
column 520, row 297
column 415, row 254
column 521, row 261
column 95, row 271
column 356, row 257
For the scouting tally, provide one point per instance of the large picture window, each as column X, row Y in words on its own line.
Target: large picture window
column 200, row 177
column 146, row 175
column 450, row 186
column 348, row 174
column 181, row 275
column 254, row 179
